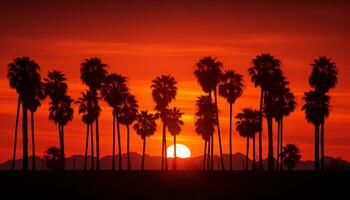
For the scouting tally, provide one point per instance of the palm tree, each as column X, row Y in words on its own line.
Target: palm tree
column 127, row 116
column 263, row 72
column 90, row 110
column 114, row 91
column 93, row 73
column 145, row 126
column 247, row 126
column 61, row 112
column 33, row 106
column 24, row 76
column 164, row 90
column 174, row 123
column 206, row 120
column 323, row 78
column 13, row 166
column 291, row 155
column 208, row 73
column 231, row 88
column 316, row 108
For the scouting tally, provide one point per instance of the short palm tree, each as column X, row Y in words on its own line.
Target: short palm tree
column 247, row 126
column 89, row 108
column 24, row 76
column 231, row 88
column 205, row 122
column 61, row 112
column 145, row 126
column 114, row 91
column 316, row 108
column 174, row 123
column 93, row 73
column 127, row 116
column 263, row 71
column 291, row 155
column 208, row 74
column 164, row 90
column 323, row 78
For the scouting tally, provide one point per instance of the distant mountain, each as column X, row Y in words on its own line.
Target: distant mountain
column 153, row 163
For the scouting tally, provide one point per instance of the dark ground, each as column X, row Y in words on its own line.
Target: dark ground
column 174, row 185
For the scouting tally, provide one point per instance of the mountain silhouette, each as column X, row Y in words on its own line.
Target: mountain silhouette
column 75, row 162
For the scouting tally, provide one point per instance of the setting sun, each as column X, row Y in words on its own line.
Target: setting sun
column 182, row 151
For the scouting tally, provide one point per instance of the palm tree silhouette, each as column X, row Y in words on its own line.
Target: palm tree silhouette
column 291, row 155
column 127, row 116
column 263, row 72
column 247, row 126
column 164, row 90
column 93, row 73
column 208, row 73
column 231, row 88
column 24, row 76
column 283, row 103
column 205, row 122
column 316, row 108
column 114, row 91
column 174, row 123
column 322, row 79
column 145, row 126
column 90, row 109
column 61, row 112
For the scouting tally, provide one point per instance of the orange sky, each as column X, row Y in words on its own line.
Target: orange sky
column 142, row 40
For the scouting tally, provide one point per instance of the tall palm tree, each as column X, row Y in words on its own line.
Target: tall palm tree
column 114, row 91
column 24, row 76
column 90, row 110
column 145, row 126
column 208, row 73
column 164, row 90
column 61, row 112
column 247, row 126
column 263, row 72
column 174, row 123
column 231, row 88
column 206, row 120
column 127, row 116
column 55, row 87
column 323, row 78
column 93, row 73
column 316, row 108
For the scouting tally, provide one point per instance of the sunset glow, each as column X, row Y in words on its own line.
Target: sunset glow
column 182, row 151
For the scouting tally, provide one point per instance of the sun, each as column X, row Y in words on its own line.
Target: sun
column 182, row 151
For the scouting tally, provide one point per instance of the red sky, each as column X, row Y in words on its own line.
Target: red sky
column 143, row 39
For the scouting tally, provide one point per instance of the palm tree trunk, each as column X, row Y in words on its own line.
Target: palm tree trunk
column 16, row 129
column 120, row 164
column 128, row 146
column 247, row 155
column 165, row 152
column 281, row 145
column 271, row 164
column 61, row 136
column 230, row 136
column 175, row 156
column 33, row 141
column 92, row 146
column 25, row 136
column 208, row 161
column 86, row 146
column 219, row 134
column 162, row 165
column 97, row 146
column 317, row 157
column 143, row 154
column 322, row 144
column 113, row 143
column 212, row 153
column 204, row 155
column 278, row 144
column 260, row 130
column 254, row 162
